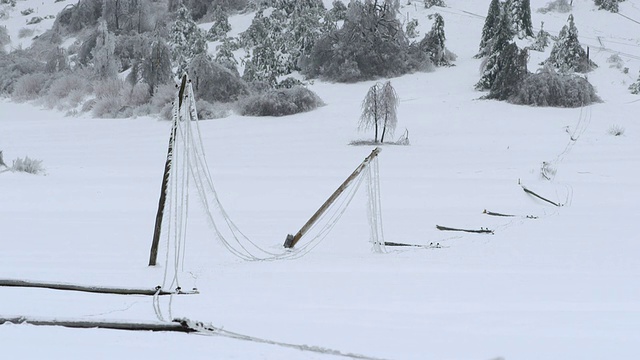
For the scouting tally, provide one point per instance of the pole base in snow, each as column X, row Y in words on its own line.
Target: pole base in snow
column 288, row 242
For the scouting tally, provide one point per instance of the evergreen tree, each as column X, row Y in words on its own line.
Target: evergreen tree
column 370, row 44
column 567, row 54
column 186, row 39
column 105, row 63
column 411, row 31
column 433, row 43
column 220, row 26
column 213, row 82
column 610, row 5
column 224, row 54
column 503, row 36
column 430, row 3
column 542, row 39
column 491, row 23
column 156, row 70
column 338, row 10
column 512, row 70
column 635, row 87
column 520, row 11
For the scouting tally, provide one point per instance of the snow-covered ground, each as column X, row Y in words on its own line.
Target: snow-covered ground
column 562, row 286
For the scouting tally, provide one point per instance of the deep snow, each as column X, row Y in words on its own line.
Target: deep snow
column 563, row 286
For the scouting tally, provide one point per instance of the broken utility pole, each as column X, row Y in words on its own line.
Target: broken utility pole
column 165, row 180
column 292, row 240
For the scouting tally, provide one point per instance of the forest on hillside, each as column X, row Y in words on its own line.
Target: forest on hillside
column 120, row 58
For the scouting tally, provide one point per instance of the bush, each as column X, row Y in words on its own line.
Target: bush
column 281, row 102
column 25, row 32
column 65, row 90
column 207, row 110
column 561, row 6
column 548, row 88
column 29, row 87
column 15, row 65
column 27, row 165
column 616, row 130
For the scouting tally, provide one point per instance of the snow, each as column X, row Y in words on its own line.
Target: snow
column 563, row 286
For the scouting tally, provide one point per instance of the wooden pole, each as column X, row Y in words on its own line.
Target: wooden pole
column 88, row 288
column 97, row 324
column 292, row 240
column 153, row 257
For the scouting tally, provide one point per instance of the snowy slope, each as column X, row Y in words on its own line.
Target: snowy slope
column 562, row 286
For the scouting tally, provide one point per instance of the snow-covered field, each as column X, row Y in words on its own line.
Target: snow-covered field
column 562, row 286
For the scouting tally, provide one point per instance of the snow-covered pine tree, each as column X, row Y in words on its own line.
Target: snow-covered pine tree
column 542, row 39
column 105, row 63
column 186, row 39
column 224, row 54
column 567, row 54
column 431, row 3
column 610, row 5
column 491, row 24
column 503, row 36
column 635, row 87
column 520, row 11
column 220, row 26
column 156, row 70
column 512, row 63
column 433, row 43
column 338, row 10
column 412, row 31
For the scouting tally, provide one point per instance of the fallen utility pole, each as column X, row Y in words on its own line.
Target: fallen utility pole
column 292, row 240
column 97, row 324
column 90, row 289
column 539, row 197
column 153, row 257
column 481, row 231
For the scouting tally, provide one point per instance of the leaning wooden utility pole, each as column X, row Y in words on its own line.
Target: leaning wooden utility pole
column 292, row 240
column 165, row 180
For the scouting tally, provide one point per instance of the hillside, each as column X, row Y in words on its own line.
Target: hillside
column 550, row 283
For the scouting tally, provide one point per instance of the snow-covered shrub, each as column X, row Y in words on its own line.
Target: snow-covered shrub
column 280, row 102
column 65, row 88
column 561, row 6
column 35, row 20
column 616, row 130
column 207, row 110
column 29, row 87
column 549, row 88
column 161, row 102
column 28, row 165
column 616, row 62
column 139, row 94
column 14, row 65
column 110, row 107
column 26, row 32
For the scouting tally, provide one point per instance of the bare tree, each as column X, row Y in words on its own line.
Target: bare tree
column 379, row 110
